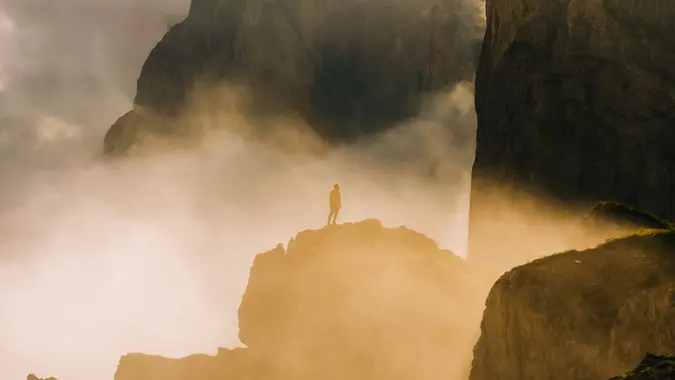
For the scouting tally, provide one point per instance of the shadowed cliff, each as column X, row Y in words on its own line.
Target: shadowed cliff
column 588, row 314
column 576, row 102
column 349, row 68
column 355, row 301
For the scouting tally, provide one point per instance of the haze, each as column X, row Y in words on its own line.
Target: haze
column 151, row 254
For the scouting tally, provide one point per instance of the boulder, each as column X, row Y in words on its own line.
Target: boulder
column 652, row 367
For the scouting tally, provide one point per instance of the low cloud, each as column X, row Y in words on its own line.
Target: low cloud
column 151, row 253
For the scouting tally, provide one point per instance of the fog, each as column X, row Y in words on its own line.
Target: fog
column 152, row 253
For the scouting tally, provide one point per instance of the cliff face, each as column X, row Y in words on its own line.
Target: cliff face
column 575, row 100
column 587, row 314
column 349, row 67
column 355, row 301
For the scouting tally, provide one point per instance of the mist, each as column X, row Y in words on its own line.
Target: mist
column 151, row 253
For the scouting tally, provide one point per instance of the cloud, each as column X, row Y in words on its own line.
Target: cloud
column 52, row 130
column 6, row 31
column 152, row 253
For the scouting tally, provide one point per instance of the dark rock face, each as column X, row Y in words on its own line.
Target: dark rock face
column 353, row 301
column 581, row 314
column 349, row 67
column 652, row 367
column 576, row 100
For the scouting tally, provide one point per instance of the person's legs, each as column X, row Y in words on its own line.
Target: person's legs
column 335, row 214
column 330, row 215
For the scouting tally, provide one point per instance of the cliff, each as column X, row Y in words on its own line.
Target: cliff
column 355, row 301
column 575, row 101
column 349, row 68
column 587, row 314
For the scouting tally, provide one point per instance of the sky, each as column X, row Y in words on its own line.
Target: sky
column 152, row 254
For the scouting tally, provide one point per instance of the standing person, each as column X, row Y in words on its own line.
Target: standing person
column 335, row 202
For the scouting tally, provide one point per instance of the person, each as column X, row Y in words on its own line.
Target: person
column 335, row 202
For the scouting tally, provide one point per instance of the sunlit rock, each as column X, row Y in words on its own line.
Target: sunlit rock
column 356, row 301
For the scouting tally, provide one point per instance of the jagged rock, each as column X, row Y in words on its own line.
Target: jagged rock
column 33, row 377
column 576, row 101
column 350, row 67
column 652, row 367
column 580, row 314
column 350, row 301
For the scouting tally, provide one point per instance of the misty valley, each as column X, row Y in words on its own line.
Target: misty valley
column 322, row 189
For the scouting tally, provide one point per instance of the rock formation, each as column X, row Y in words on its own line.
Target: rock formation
column 623, row 217
column 348, row 67
column 352, row 301
column 587, row 314
column 227, row 364
column 33, row 377
column 575, row 101
column 608, row 220
column 653, row 367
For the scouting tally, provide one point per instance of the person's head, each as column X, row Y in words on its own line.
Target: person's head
column 336, row 187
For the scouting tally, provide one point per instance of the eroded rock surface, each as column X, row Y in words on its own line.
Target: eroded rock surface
column 576, row 101
column 581, row 314
column 352, row 301
column 348, row 67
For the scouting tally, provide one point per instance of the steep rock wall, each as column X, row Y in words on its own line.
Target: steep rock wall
column 575, row 101
column 348, row 67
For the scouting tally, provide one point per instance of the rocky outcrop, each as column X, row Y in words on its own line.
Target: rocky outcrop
column 581, row 314
column 611, row 220
column 349, row 67
column 575, row 101
column 226, row 364
column 623, row 217
column 652, row 367
column 355, row 301
column 33, row 377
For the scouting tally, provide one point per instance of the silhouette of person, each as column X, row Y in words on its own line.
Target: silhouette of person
column 335, row 201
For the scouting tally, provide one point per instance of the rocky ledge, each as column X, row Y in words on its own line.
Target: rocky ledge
column 587, row 314
column 355, row 301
